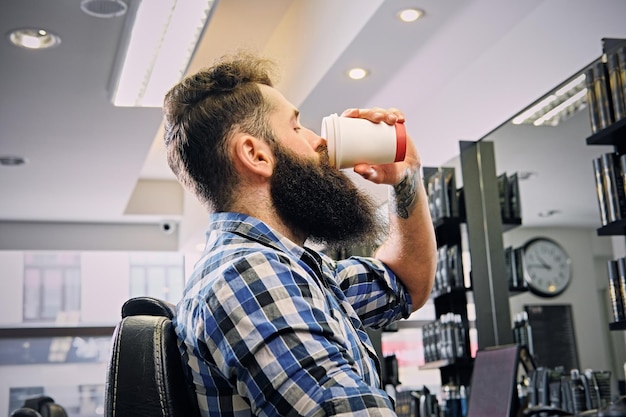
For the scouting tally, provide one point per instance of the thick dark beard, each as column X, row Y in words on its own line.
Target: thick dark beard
column 322, row 203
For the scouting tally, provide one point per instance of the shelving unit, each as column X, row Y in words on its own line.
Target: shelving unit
column 480, row 211
column 452, row 300
column 615, row 135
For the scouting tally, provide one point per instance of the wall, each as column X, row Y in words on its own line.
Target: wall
column 587, row 292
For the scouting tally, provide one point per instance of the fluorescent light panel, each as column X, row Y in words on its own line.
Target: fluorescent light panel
column 163, row 38
column 557, row 106
column 581, row 95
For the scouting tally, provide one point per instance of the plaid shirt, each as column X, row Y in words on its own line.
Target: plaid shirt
column 269, row 328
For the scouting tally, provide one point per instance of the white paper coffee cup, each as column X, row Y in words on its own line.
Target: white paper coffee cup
column 353, row 141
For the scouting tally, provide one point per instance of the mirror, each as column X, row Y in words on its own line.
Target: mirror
column 559, row 201
column 555, row 166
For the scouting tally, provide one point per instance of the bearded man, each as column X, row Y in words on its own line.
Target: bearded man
column 268, row 326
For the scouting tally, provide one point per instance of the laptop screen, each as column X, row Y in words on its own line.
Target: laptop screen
column 493, row 390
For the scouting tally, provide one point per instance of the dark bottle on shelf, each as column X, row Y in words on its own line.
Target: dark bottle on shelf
column 621, row 63
column 579, row 398
column 592, row 102
column 617, row 307
column 459, row 336
column 602, row 95
column 616, row 86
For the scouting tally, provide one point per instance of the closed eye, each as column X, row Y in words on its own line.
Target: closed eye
column 296, row 120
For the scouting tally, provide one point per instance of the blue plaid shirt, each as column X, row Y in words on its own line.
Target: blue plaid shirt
column 269, row 328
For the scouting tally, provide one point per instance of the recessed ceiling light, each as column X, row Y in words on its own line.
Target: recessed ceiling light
column 357, row 73
column 11, row 160
column 34, row 38
column 104, row 8
column 410, row 15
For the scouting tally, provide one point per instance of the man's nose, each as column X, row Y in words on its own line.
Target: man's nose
column 318, row 141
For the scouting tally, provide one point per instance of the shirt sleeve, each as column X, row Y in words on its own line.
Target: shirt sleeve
column 376, row 294
column 273, row 336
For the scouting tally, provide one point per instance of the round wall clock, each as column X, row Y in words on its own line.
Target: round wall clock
column 547, row 267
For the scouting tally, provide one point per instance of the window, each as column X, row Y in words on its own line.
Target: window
column 18, row 395
column 159, row 275
column 51, row 286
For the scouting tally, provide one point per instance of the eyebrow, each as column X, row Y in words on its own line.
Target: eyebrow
column 296, row 113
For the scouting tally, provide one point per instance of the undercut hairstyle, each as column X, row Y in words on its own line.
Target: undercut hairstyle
column 203, row 111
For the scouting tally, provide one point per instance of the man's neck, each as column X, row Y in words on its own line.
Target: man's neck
column 262, row 209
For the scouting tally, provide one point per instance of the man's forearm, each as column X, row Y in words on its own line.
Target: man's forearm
column 403, row 194
column 410, row 250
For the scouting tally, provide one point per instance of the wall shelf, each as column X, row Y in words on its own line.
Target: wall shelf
column 612, row 135
column 617, row 228
column 479, row 208
column 617, row 325
column 443, row 363
column 510, row 223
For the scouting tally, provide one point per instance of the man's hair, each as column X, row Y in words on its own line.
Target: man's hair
column 202, row 112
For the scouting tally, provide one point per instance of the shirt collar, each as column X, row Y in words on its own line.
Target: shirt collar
column 254, row 229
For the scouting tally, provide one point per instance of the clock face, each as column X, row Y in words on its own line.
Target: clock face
column 547, row 267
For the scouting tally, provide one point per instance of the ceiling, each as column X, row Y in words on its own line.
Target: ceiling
column 458, row 73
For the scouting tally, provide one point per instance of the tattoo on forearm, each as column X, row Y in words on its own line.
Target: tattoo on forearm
column 405, row 193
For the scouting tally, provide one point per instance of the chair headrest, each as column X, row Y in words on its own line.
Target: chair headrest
column 148, row 306
column 25, row 412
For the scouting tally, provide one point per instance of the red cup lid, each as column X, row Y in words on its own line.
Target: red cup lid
column 400, row 142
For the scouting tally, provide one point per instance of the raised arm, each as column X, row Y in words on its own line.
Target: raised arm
column 410, row 249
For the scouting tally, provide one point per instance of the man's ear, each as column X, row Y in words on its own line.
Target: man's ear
column 253, row 155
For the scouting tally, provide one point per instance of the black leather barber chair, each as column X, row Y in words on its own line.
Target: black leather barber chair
column 42, row 406
column 145, row 374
